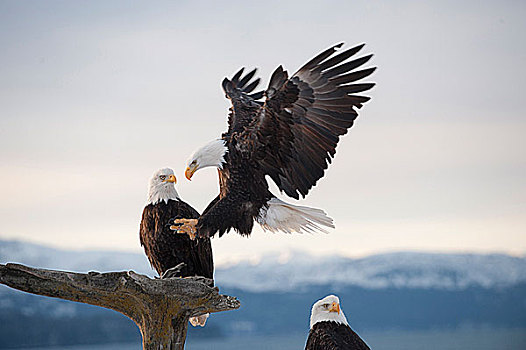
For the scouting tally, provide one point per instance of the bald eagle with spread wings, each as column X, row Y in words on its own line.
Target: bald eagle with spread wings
column 289, row 132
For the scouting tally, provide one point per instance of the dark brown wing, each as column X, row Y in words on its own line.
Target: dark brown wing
column 202, row 247
column 333, row 336
column 239, row 90
column 242, row 84
column 147, row 235
column 299, row 126
column 166, row 249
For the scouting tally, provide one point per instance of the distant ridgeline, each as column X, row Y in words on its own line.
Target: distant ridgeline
column 390, row 291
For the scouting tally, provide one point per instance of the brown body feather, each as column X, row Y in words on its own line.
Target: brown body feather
column 166, row 248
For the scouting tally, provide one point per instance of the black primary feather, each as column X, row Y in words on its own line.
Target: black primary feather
column 315, row 108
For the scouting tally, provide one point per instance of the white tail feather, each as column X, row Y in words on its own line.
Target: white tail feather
column 286, row 217
column 199, row 320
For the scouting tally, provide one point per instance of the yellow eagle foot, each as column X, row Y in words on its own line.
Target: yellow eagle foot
column 187, row 226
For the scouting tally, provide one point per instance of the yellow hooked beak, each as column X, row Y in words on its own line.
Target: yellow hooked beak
column 171, row 178
column 190, row 170
column 335, row 307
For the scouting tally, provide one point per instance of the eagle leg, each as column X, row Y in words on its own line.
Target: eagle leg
column 174, row 271
column 187, row 226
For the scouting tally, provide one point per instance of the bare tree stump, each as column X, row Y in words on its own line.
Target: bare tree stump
column 160, row 307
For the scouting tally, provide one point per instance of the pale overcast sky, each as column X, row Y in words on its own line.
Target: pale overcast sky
column 95, row 96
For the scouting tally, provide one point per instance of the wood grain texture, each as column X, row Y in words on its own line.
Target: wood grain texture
column 159, row 307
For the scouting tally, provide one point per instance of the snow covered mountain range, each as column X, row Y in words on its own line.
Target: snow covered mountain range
column 410, row 291
column 398, row 270
column 294, row 271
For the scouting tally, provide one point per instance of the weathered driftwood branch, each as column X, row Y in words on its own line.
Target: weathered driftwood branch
column 159, row 307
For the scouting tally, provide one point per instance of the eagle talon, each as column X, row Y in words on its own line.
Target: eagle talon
column 174, row 271
column 185, row 226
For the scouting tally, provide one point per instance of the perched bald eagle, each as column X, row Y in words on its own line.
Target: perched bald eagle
column 172, row 255
column 329, row 329
column 290, row 136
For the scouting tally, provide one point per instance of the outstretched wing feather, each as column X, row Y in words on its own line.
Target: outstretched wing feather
column 304, row 116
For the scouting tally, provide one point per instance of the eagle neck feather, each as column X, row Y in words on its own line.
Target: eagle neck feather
column 164, row 192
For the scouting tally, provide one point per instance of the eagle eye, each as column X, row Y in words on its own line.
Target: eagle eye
column 162, row 177
column 325, row 306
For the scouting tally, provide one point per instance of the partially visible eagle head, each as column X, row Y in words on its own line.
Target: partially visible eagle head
column 327, row 309
column 162, row 186
column 211, row 154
